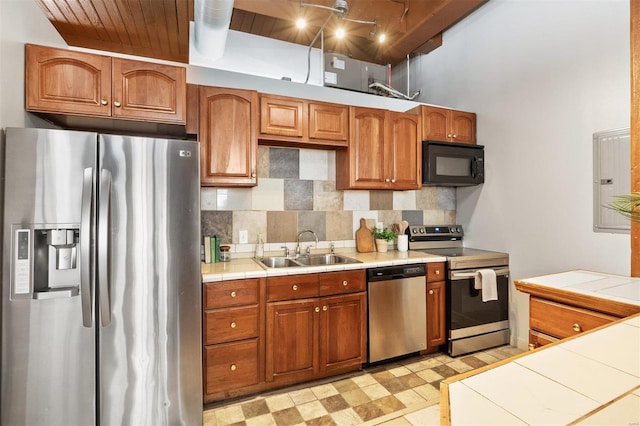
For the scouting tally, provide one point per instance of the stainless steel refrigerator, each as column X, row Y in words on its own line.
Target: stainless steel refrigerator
column 101, row 317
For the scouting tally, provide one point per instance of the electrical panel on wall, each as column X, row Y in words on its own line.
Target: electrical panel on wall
column 611, row 176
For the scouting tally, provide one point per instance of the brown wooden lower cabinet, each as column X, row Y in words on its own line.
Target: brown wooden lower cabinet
column 436, row 328
column 260, row 334
column 320, row 336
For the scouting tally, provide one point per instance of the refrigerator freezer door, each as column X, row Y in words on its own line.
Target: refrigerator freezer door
column 150, row 352
column 48, row 356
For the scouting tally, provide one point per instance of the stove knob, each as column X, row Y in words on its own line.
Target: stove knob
column 452, row 230
column 422, row 230
column 459, row 229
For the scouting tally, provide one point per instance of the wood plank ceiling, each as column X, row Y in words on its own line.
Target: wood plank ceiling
column 160, row 28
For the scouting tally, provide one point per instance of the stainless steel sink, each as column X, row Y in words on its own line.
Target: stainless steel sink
column 325, row 259
column 278, row 262
column 313, row 260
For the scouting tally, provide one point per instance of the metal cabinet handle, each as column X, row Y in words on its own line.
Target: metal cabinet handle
column 430, row 291
column 253, row 174
column 234, row 294
column 104, row 102
column 577, row 328
column 324, row 308
column 233, row 324
column 116, row 104
column 449, row 135
column 393, row 181
column 233, row 367
column 345, row 283
column 455, row 136
column 387, row 180
column 295, row 287
column 317, row 309
column 437, row 271
column 531, row 346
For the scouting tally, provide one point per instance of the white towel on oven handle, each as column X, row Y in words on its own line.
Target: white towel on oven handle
column 485, row 281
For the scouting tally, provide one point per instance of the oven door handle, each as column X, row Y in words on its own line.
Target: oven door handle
column 465, row 275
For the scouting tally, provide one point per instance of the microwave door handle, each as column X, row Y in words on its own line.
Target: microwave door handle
column 474, row 167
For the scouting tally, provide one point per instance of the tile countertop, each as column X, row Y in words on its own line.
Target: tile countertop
column 591, row 378
column 249, row 268
column 586, row 379
column 618, row 288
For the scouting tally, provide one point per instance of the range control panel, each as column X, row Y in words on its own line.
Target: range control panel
column 435, row 233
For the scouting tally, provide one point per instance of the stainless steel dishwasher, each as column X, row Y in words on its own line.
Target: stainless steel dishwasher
column 397, row 311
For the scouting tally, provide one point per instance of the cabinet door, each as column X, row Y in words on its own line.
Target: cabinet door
column 282, row 116
column 435, row 313
column 367, row 148
column 292, row 340
column 343, row 332
column 404, row 151
column 328, row 121
column 64, row 81
column 463, row 127
column 149, row 91
column 228, row 139
column 435, row 124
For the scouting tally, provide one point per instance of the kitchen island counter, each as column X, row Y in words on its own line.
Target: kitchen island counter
column 249, row 268
column 590, row 378
column 593, row 378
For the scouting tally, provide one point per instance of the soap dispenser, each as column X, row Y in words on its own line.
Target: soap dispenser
column 259, row 247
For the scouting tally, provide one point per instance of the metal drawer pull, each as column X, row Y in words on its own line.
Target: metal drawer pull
column 233, row 367
column 344, row 283
column 324, row 308
column 234, row 294
column 430, row 291
column 317, row 309
column 577, row 328
column 116, row 103
column 437, row 271
column 233, row 324
column 531, row 346
column 104, row 102
column 295, row 287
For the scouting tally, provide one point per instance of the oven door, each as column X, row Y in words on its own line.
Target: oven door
column 467, row 314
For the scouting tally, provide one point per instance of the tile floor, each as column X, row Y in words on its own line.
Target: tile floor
column 404, row 392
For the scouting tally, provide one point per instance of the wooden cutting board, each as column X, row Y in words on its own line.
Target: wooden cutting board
column 364, row 238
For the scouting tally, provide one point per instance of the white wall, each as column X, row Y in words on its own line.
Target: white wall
column 543, row 76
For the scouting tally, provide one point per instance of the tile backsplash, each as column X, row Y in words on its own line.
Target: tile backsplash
column 297, row 191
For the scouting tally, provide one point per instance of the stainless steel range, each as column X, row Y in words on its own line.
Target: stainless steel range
column 472, row 324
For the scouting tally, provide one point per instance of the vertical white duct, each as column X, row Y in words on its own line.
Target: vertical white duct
column 211, row 25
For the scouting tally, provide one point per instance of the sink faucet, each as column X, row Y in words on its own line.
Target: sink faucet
column 299, row 234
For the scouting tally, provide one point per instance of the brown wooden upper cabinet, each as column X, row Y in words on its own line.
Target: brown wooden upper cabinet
column 384, row 151
column 62, row 81
column 228, row 136
column 447, row 125
column 300, row 122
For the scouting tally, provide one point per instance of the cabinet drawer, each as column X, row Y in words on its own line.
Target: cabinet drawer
column 231, row 366
column 537, row 339
column 435, row 271
column 226, row 325
column 231, row 293
column 562, row 321
column 342, row 282
column 292, row 287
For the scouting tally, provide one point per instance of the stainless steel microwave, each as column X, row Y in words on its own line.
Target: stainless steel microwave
column 452, row 164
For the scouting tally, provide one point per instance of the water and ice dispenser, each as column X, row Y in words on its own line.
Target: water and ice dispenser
column 46, row 262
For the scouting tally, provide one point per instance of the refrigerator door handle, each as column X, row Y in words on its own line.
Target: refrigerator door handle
column 103, row 246
column 85, row 247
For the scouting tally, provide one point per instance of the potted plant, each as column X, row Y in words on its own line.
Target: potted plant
column 627, row 205
column 382, row 237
